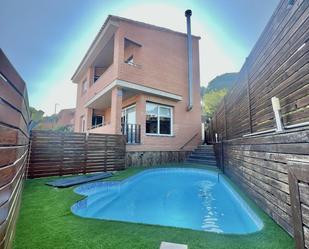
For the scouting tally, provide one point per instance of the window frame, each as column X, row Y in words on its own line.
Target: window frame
column 124, row 112
column 158, row 121
column 130, row 60
column 98, row 125
column 83, row 124
column 84, row 86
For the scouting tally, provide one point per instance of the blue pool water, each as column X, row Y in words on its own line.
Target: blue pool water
column 187, row 198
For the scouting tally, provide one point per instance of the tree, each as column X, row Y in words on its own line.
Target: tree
column 36, row 115
column 211, row 100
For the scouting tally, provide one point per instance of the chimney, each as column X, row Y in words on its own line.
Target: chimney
column 188, row 14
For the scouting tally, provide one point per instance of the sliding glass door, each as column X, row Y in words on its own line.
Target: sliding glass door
column 128, row 121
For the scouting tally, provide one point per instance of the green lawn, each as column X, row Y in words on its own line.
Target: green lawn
column 46, row 221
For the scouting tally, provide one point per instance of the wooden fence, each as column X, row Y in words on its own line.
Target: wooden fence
column 59, row 153
column 277, row 66
column 260, row 166
column 299, row 189
column 14, row 120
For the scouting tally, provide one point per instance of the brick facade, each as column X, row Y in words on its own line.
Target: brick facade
column 159, row 62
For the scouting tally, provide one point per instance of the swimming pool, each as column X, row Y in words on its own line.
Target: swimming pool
column 185, row 198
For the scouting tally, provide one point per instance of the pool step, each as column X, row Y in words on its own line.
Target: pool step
column 93, row 202
column 203, row 154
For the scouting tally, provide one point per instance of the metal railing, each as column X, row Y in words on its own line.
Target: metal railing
column 97, row 125
column 132, row 133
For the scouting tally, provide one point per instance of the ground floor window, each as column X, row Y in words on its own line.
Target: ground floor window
column 82, row 124
column 97, row 120
column 158, row 119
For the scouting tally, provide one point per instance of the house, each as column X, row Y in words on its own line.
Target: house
column 65, row 118
column 134, row 80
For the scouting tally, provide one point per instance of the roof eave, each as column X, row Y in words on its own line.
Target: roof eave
column 92, row 47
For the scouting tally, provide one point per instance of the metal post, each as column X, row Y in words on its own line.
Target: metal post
column 188, row 14
column 222, row 156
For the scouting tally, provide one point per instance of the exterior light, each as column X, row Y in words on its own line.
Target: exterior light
column 276, row 108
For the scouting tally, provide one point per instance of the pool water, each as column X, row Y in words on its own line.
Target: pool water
column 185, row 198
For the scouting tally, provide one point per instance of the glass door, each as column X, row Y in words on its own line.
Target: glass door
column 128, row 115
column 128, row 121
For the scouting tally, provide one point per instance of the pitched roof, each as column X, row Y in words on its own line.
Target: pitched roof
column 150, row 26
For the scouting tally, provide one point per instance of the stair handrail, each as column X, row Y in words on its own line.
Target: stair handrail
column 189, row 141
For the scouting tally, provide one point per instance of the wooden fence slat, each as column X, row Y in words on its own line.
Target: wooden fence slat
column 93, row 153
column 14, row 138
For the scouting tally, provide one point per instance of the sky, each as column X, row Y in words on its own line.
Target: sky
column 46, row 40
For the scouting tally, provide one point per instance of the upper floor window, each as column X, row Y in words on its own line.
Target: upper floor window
column 97, row 121
column 82, row 124
column 159, row 119
column 84, row 86
column 130, row 60
column 132, row 52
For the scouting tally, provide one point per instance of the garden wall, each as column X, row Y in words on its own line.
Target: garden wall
column 299, row 190
column 14, row 136
column 60, row 153
column 260, row 166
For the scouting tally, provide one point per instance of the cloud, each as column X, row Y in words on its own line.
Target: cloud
column 61, row 92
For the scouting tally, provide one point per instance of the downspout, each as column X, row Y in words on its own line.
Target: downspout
column 188, row 14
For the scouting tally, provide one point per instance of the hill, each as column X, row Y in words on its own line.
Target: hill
column 215, row 91
column 223, row 81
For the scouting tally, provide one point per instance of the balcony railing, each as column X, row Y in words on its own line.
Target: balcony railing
column 97, row 125
column 132, row 133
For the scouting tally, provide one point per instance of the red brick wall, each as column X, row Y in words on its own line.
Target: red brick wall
column 163, row 59
column 163, row 66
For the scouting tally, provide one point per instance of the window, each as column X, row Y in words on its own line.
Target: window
column 130, row 60
column 82, row 124
column 84, row 86
column 158, row 119
column 128, row 115
column 97, row 121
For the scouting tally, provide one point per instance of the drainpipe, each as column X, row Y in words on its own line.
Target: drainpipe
column 188, row 14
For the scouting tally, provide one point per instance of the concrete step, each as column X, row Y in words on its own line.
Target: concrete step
column 204, row 150
column 201, row 156
column 201, row 159
column 211, row 153
column 206, row 162
column 205, row 146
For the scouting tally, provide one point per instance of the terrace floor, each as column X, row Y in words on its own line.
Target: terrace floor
column 46, row 221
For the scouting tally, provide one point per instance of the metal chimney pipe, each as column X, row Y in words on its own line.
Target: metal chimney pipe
column 188, row 14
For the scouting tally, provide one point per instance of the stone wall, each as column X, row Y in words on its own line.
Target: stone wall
column 150, row 158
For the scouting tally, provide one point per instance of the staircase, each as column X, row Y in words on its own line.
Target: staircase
column 203, row 154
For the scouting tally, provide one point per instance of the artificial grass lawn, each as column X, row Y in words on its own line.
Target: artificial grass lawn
column 46, row 221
